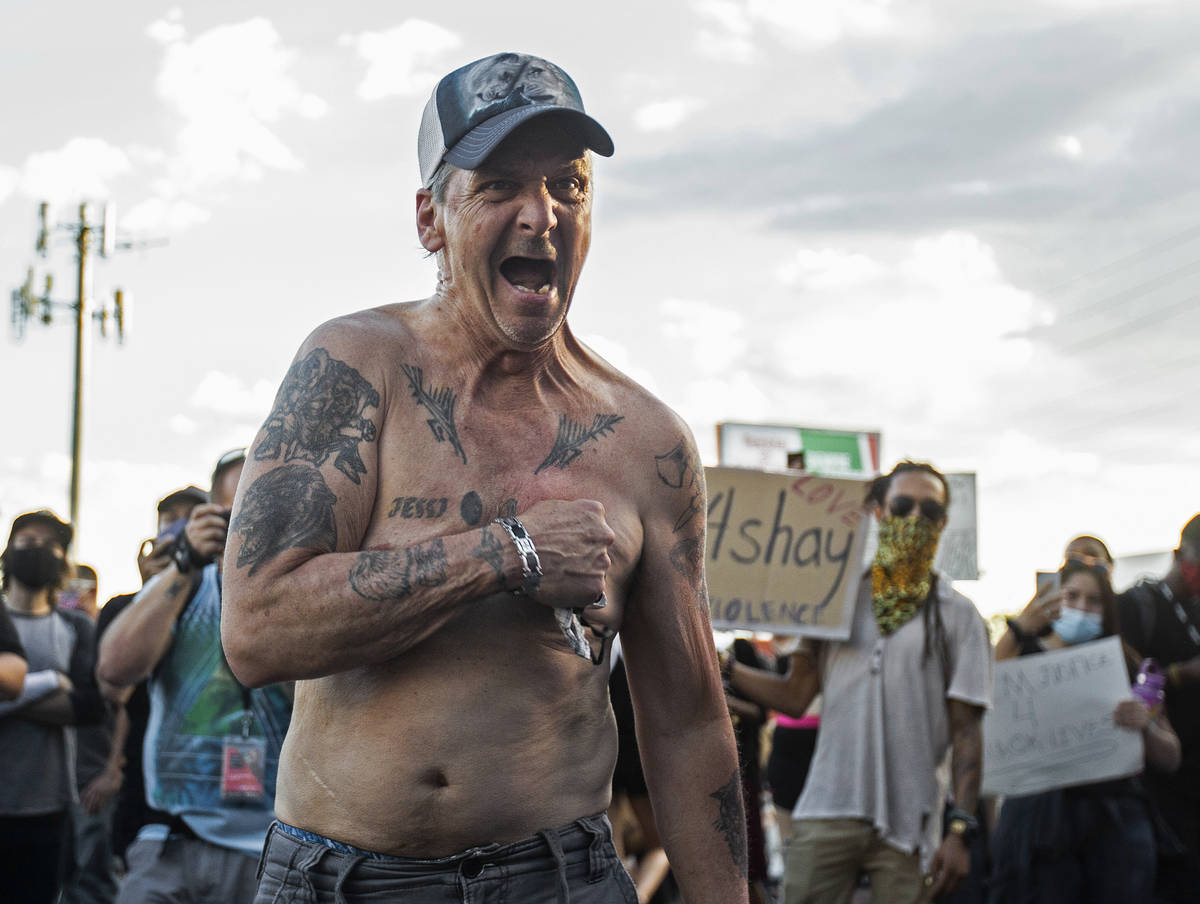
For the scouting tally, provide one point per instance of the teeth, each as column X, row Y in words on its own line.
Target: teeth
column 544, row 290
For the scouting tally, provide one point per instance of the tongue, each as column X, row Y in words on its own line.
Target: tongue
column 525, row 273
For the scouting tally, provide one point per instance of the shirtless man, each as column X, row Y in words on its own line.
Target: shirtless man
column 448, row 737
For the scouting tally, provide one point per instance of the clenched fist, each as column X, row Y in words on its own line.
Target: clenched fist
column 572, row 540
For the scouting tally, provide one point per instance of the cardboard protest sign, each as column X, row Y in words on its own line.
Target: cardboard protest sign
column 1051, row 723
column 784, row 551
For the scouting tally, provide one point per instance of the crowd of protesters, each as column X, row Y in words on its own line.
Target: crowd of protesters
column 138, row 768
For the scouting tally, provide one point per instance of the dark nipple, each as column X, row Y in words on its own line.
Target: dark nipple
column 437, row 778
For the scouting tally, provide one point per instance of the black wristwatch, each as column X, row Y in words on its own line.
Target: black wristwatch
column 962, row 824
column 185, row 557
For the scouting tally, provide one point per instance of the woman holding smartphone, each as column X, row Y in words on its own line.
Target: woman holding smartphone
column 1090, row 843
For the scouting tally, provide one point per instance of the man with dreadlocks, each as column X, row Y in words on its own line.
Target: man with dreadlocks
column 912, row 680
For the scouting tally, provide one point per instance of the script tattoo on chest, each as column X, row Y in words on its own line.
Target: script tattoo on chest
column 731, row 821
column 289, row 507
column 418, row 507
column 385, row 574
column 568, row 445
column 320, row 412
column 679, row 469
column 440, row 405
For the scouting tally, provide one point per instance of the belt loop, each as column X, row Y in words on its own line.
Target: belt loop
column 550, row 836
column 287, row 874
column 339, row 894
column 596, row 851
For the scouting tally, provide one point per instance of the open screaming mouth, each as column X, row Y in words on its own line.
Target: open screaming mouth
column 529, row 274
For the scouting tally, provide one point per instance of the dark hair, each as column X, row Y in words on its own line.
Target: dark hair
column 1110, row 623
column 878, row 489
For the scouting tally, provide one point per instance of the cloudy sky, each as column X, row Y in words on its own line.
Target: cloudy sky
column 968, row 224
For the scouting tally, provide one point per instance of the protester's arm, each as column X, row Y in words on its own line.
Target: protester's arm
column 1032, row 622
column 12, row 658
column 684, row 733
column 75, row 700
column 139, row 637
column 952, row 860
column 37, row 686
column 791, row 693
column 1163, row 751
column 302, row 598
column 100, row 790
column 12, row 675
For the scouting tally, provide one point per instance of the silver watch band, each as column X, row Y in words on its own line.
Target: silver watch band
column 531, row 566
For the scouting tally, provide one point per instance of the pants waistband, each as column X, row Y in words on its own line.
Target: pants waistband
column 586, row 839
column 574, row 836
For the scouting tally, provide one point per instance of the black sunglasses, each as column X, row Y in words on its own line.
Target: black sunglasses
column 900, row 506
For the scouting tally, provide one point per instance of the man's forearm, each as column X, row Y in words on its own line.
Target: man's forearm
column 966, row 763
column 54, row 709
column 139, row 636
column 696, row 790
column 792, row 693
column 12, row 676
column 338, row 611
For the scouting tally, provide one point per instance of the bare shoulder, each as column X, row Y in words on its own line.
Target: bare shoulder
column 365, row 339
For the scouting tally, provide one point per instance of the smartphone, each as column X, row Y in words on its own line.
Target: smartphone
column 1048, row 582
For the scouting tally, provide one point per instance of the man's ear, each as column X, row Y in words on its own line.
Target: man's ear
column 877, row 510
column 429, row 222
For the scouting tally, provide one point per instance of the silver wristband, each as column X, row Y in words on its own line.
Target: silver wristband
column 531, row 566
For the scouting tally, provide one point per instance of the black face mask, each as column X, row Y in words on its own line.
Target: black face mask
column 34, row 566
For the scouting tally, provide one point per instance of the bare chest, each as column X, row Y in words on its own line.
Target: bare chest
column 444, row 471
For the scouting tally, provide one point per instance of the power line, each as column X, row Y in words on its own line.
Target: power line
column 1140, row 322
column 1172, row 241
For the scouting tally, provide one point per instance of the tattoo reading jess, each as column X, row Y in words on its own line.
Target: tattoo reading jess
column 731, row 821
column 440, row 405
column 680, row 470
column 319, row 412
column 385, row 574
column 418, row 507
column 568, row 445
column 289, row 507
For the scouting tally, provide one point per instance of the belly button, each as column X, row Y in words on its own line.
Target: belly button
column 437, row 778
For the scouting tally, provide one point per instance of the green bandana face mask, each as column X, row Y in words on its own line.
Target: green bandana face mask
column 902, row 571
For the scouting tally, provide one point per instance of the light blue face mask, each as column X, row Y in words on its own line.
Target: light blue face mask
column 1076, row 626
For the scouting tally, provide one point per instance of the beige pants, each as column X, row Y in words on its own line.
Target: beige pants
column 825, row 856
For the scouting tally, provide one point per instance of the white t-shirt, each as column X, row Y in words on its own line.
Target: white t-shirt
column 884, row 726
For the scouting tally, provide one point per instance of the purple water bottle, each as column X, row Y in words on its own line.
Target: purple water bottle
column 1149, row 686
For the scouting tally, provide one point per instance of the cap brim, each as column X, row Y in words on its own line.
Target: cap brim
column 478, row 144
column 63, row 531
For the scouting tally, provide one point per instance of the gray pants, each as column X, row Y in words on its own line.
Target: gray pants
column 186, row 871
column 575, row 864
column 91, row 879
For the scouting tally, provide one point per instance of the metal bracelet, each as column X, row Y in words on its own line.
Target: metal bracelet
column 531, row 565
